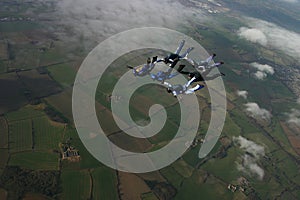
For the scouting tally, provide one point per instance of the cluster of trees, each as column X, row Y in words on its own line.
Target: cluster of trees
column 18, row 182
column 162, row 190
column 54, row 115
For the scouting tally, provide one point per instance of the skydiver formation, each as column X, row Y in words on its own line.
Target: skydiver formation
column 205, row 67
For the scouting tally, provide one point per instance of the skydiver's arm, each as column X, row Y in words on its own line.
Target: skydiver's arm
column 216, row 64
column 210, row 58
column 179, row 48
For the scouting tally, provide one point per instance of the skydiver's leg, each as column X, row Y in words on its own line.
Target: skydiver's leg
column 192, row 90
column 172, row 75
column 180, row 68
column 190, row 81
column 169, row 71
column 179, row 48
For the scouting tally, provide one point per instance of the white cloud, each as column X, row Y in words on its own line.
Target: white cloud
column 242, row 93
column 253, row 35
column 260, row 75
column 253, row 152
column 257, row 112
column 294, row 117
column 262, row 70
column 250, row 147
column 269, row 34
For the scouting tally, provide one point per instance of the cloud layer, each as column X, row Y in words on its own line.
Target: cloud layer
column 269, row 34
column 290, row 1
column 101, row 19
column 256, row 112
column 242, row 93
column 253, row 152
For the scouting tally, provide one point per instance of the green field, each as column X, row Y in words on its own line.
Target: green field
column 20, row 136
column 230, row 128
column 172, row 176
column 243, row 121
column 62, row 102
column 22, row 54
column 191, row 156
column 46, row 86
column 52, row 56
column 279, row 135
column 224, row 168
column 76, row 185
column 63, row 74
column 104, row 183
column 27, row 112
column 194, row 188
column 13, row 89
column 3, row 133
column 46, row 136
column 183, row 168
column 35, row 160
column 18, row 26
column 4, row 156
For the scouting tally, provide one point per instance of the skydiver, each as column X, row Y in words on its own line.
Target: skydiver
column 162, row 76
column 182, row 89
column 196, row 76
column 205, row 65
column 144, row 69
column 172, row 59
